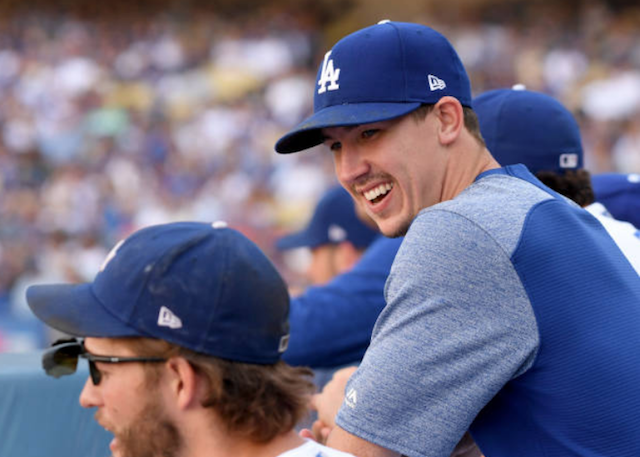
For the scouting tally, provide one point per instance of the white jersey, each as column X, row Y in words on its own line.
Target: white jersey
column 626, row 235
column 313, row 449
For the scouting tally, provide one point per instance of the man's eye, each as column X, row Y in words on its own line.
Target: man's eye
column 336, row 146
column 369, row 133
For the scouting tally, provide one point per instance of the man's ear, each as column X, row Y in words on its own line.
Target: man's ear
column 184, row 383
column 449, row 112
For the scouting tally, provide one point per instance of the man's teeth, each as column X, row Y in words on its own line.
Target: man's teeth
column 374, row 193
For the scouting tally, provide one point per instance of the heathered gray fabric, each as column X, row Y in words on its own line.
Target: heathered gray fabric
column 458, row 324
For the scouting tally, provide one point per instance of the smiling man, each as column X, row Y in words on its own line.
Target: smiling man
column 510, row 311
column 183, row 329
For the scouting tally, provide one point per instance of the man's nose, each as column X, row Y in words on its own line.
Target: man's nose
column 89, row 397
column 350, row 165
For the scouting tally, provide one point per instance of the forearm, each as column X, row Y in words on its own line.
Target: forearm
column 331, row 326
column 344, row 441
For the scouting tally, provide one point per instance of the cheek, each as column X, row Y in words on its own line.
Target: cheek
column 337, row 167
column 123, row 401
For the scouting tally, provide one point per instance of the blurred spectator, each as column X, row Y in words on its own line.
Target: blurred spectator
column 335, row 236
column 620, row 193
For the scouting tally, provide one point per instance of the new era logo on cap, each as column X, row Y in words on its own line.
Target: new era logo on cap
column 336, row 233
column 166, row 318
column 436, row 83
column 284, row 343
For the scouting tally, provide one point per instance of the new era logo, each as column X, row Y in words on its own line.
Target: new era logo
column 336, row 233
column 284, row 344
column 166, row 318
column 436, row 83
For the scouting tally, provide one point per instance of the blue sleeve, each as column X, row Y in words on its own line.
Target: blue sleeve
column 331, row 324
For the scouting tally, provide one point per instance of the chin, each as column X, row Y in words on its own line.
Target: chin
column 391, row 230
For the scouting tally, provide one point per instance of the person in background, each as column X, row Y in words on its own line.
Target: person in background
column 335, row 235
column 620, row 194
column 183, row 328
column 522, row 126
column 332, row 319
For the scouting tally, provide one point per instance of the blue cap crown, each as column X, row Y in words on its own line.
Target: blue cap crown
column 202, row 287
column 334, row 221
column 620, row 194
column 380, row 73
column 522, row 126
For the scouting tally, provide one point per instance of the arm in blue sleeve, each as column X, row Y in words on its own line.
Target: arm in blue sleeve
column 331, row 325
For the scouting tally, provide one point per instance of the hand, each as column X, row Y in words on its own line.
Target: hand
column 327, row 403
column 319, row 432
column 466, row 448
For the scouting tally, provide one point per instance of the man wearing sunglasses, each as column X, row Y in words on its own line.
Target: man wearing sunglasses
column 183, row 329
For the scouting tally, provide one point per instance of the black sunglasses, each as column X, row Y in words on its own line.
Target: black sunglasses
column 62, row 359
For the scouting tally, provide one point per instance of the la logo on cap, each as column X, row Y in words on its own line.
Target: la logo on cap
column 328, row 75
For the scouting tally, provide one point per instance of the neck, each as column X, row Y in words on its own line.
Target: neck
column 465, row 167
column 226, row 445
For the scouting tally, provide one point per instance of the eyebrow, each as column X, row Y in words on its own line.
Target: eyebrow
column 348, row 128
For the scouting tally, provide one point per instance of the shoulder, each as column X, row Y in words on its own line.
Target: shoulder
column 496, row 206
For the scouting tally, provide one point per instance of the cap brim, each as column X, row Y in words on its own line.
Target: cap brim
column 294, row 241
column 73, row 309
column 308, row 133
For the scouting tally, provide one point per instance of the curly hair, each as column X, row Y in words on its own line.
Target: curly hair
column 574, row 184
column 254, row 402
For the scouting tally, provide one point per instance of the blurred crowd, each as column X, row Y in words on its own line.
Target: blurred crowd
column 106, row 126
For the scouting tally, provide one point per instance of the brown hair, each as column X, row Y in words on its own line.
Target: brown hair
column 254, row 402
column 470, row 120
column 574, row 184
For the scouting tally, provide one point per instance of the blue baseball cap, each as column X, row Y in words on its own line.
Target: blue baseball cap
column 204, row 287
column 379, row 73
column 620, row 194
column 334, row 221
column 522, row 126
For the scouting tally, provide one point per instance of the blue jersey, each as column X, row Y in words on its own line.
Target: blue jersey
column 331, row 324
column 511, row 313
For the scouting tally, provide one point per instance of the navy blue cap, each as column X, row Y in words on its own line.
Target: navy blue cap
column 334, row 221
column 201, row 286
column 379, row 73
column 620, row 194
column 522, row 126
